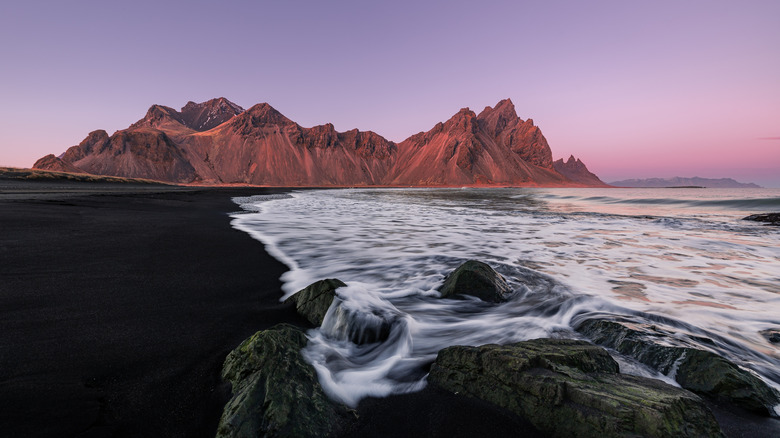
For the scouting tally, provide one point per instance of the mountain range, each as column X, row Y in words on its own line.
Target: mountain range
column 677, row 181
column 218, row 142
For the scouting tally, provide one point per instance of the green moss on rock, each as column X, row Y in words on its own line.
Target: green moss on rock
column 476, row 279
column 571, row 388
column 700, row 371
column 275, row 392
column 313, row 301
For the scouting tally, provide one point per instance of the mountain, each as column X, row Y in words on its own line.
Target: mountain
column 720, row 183
column 217, row 142
column 495, row 147
column 576, row 170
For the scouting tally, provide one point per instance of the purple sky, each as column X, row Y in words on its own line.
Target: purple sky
column 634, row 89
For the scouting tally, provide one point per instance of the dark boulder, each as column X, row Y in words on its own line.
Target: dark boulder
column 313, row 301
column 476, row 279
column 771, row 335
column 700, row 371
column 769, row 218
column 275, row 392
column 571, row 388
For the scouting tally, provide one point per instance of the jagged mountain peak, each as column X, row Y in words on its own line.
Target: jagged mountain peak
column 157, row 114
column 258, row 116
column 464, row 120
column 214, row 105
column 504, row 108
column 495, row 119
column 267, row 114
column 209, row 114
column 217, row 141
column 577, row 171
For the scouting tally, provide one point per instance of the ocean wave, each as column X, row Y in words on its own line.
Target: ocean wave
column 702, row 277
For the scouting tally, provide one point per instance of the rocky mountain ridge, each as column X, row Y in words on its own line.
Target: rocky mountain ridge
column 218, row 142
column 575, row 170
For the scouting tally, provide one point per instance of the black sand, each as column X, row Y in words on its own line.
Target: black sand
column 119, row 303
column 117, row 309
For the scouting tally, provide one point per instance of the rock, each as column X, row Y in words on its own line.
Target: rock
column 571, row 388
column 700, row 371
column 275, row 392
column 771, row 335
column 476, row 279
column 313, row 301
column 769, row 218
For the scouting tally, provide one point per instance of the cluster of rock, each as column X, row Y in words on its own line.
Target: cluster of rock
column 699, row 371
column 563, row 387
column 571, row 388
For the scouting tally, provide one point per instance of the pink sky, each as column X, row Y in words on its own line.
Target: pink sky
column 634, row 89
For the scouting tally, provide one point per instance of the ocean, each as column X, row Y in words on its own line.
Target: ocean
column 679, row 258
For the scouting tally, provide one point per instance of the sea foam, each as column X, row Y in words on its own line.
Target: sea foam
column 682, row 259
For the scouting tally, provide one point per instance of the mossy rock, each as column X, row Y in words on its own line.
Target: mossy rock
column 700, row 371
column 476, row 279
column 275, row 391
column 571, row 388
column 313, row 301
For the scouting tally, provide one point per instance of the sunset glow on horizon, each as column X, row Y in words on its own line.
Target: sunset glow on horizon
column 635, row 90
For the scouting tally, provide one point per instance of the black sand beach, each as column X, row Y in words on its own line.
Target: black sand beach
column 118, row 307
column 119, row 303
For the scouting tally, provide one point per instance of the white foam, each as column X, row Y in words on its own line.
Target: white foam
column 394, row 247
column 672, row 374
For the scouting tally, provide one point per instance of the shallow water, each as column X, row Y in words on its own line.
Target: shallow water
column 681, row 258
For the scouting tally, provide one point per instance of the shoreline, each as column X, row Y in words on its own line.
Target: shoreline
column 118, row 307
column 49, row 176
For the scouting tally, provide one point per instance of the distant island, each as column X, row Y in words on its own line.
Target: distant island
column 682, row 182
